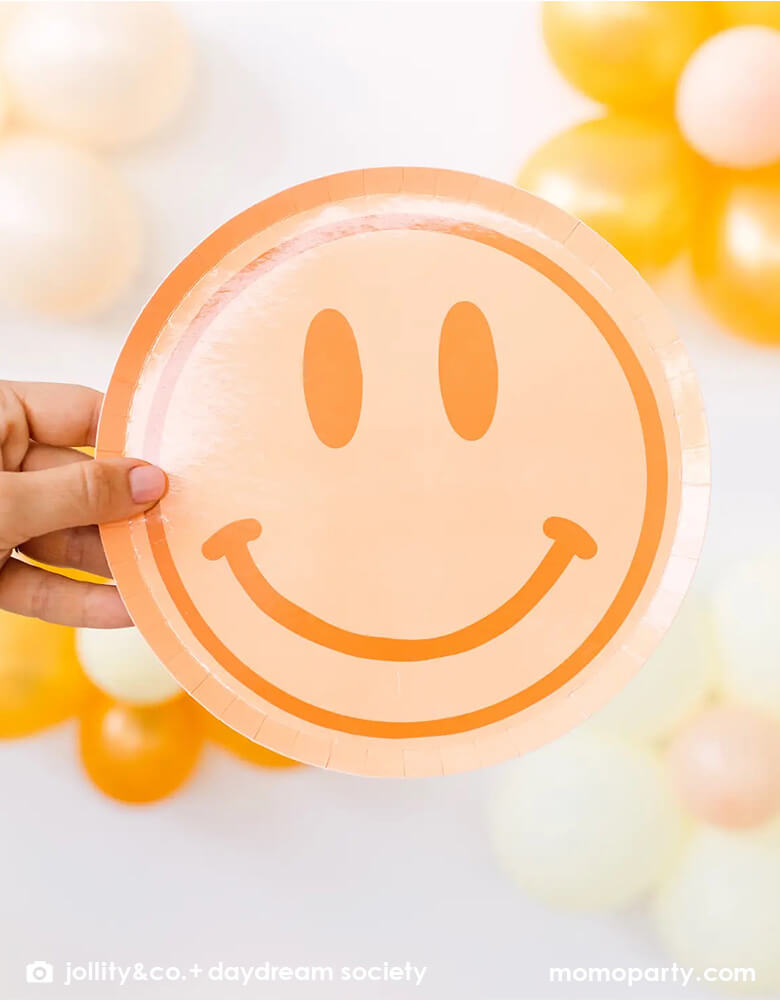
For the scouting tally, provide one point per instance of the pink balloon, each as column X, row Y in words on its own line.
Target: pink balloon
column 728, row 98
column 726, row 766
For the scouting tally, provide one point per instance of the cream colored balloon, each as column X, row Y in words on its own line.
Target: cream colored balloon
column 676, row 681
column 586, row 822
column 8, row 11
column 728, row 98
column 720, row 909
column 746, row 606
column 121, row 664
column 69, row 232
column 105, row 74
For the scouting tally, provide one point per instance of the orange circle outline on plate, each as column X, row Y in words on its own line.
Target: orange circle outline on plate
column 208, row 255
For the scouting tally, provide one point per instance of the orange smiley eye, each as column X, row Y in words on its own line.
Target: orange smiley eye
column 468, row 370
column 332, row 378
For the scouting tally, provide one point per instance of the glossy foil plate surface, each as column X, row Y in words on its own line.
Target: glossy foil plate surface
column 438, row 472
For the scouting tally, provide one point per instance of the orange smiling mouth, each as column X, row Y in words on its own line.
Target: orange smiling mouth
column 568, row 540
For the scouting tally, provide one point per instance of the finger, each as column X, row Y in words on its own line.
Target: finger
column 59, row 414
column 14, row 433
column 46, row 456
column 77, row 548
column 31, row 591
column 94, row 492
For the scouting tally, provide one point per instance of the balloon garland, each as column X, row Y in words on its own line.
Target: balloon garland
column 75, row 80
column 671, row 790
column 91, row 77
column 686, row 157
column 140, row 735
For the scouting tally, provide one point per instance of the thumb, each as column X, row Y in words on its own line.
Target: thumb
column 35, row 503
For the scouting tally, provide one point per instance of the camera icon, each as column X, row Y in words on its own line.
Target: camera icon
column 39, row 972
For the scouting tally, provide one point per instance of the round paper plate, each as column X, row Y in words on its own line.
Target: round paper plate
column 438, row 472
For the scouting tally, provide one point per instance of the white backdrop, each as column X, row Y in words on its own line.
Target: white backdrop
column 306, row 867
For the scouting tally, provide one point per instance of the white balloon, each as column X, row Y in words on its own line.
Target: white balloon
column 69, row 232
column 586, row 822
column 681, row 674
column 746, row 607
column 104, row 74
column 121, row 664
column 720, row 908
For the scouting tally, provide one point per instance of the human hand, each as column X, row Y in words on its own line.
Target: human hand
column 52, row 498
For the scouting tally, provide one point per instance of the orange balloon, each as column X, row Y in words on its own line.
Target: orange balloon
column 736, row 252
column 41, row 682
column 244, row 748
column 626, row 55
column 140, row 753
column 633, row 180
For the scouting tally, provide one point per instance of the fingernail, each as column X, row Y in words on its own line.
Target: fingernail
column 147, row 483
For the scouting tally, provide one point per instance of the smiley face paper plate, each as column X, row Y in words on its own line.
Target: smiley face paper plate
column 438, row 472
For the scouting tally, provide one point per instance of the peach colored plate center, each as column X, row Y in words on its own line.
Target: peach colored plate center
column 438, row 472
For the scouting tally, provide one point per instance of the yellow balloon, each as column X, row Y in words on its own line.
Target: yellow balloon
column 719, row 910
column 41, row 682
column 626, row 55
column 736, row 252
column 630, row 179
column 749, row 12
